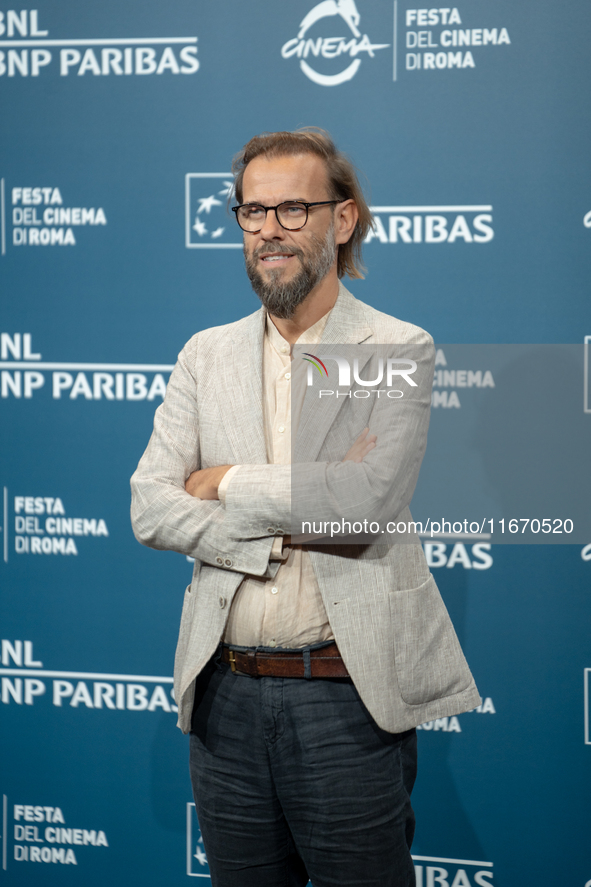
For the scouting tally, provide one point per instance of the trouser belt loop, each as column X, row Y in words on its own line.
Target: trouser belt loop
column 307, row 666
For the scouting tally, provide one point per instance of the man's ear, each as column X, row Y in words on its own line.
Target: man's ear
column 346, row 215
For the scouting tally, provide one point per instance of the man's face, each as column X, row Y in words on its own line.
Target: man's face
column 284, row 266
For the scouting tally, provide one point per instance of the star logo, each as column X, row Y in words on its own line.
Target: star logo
column 200, row 854
column 206, row 203
column 208, row 223
column 196, row 856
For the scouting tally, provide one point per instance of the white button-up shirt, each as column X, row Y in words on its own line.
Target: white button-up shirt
column 286, row 611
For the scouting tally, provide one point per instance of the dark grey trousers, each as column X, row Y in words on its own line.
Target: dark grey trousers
column 293, row 780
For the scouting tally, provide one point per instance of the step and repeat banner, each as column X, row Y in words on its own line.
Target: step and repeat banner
column 119, row 121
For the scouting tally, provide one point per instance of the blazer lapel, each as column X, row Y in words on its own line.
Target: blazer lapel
column 345, row 326
column 240, row 395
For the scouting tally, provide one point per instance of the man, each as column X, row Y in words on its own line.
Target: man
column 301, row 671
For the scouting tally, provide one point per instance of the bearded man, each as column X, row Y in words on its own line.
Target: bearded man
column 301, row 670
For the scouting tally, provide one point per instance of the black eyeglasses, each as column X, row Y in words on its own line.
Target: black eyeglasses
column 291, row 215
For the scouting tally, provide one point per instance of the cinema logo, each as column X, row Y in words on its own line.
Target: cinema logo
column 431, row 224
column 322, row 57
column 26, row 51
column 41, row 834
column 39, row 217
column 424, row 33
column 434, row 871
column 23, row 374
column 452, row 725
column 446, row 382
column 25, row 681
column 41, row 526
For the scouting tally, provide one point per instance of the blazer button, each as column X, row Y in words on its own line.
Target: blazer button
column 228, row 562
column 219, row 560
column 271, row 531
column 222, row 602
column 279, row 532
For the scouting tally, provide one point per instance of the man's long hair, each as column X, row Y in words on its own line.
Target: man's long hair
column 343, row 183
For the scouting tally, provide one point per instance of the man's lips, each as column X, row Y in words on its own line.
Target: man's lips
column 276, row 258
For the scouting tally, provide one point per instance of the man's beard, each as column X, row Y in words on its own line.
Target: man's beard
column 282, row 299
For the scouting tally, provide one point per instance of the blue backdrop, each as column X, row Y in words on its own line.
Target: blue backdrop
column 119, row 121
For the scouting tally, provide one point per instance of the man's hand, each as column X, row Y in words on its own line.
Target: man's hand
column 362, row 446
column 204, row 484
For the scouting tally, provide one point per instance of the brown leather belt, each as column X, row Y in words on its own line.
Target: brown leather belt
column 324, row 662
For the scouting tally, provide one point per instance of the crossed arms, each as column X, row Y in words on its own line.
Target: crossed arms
column 175, row 502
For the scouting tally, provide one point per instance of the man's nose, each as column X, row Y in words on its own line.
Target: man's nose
column 271, row 229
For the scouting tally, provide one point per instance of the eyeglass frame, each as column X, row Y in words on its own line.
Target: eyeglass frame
column 267, row 208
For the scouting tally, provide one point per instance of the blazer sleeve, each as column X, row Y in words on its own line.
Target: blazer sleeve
column 163, row 514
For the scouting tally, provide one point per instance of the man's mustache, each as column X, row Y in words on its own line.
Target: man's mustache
column 276, row 248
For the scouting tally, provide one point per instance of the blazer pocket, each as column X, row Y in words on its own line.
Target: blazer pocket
column 428, row 657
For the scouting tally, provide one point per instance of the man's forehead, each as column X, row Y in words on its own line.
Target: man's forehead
column 269, row 173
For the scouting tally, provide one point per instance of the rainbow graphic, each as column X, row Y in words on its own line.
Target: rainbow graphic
column 315, row 361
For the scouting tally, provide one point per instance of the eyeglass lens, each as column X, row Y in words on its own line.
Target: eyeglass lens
column 290, row 216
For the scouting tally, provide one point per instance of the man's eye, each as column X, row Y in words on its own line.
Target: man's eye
column 294, row 209
column 253, row 212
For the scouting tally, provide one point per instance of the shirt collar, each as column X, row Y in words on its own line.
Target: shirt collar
column 311, row 336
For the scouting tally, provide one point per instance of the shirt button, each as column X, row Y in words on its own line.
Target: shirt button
column 284, row 349
column 274, row 590
column 219, row 560
column 281, row 429
column 287, row 376
column 272, row 642
column 228, row 562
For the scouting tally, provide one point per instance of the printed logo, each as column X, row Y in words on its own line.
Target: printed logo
column 39, row 217
column 208, row 224
column 197, row 866
column 308, row 45
column 477, row 558
column 433, row 870
column 23, row 374
column 447, row 381
column 431, row 224
column 42, row 527
column 452, row 725
column 24, row 680
column 315, row 361
column 42, row 834
column 395, row 366
column 423, row 32
column 98, row 57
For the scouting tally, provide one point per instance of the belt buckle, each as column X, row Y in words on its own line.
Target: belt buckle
column 232, row 659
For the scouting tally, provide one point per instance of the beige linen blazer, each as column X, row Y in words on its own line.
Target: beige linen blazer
column 388, row 618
